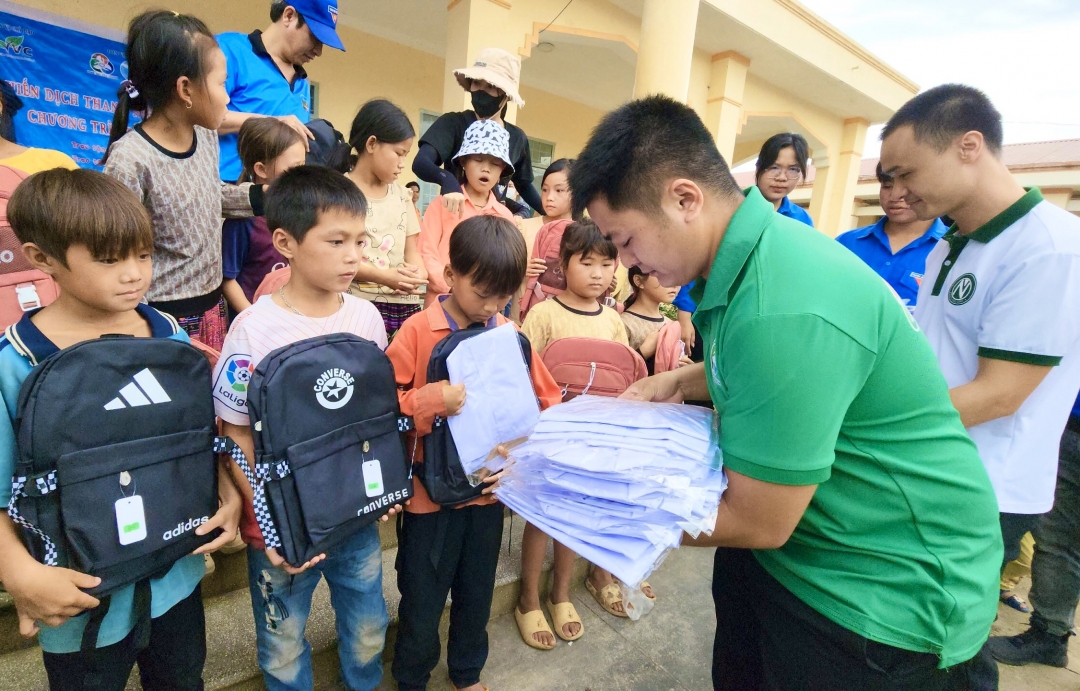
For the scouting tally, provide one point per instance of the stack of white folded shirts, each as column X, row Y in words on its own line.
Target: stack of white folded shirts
column 618, row 481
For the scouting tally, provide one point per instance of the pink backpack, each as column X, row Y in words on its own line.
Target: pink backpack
column 669, row 348
column 274, row 280
column 22, row 288
column 593, row 366
column 551, row 282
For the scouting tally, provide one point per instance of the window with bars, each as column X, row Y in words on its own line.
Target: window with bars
column 542, row 154
column 428, row 191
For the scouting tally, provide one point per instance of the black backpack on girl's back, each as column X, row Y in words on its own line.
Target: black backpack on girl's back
column 117, row 461
column 329, row 456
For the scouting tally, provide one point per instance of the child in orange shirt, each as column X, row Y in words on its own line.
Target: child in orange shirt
column 484, row 155
column 453, row 549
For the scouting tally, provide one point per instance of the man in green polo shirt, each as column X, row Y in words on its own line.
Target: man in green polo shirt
column 859, row 546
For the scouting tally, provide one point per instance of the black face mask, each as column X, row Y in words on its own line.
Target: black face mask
column 485, row 105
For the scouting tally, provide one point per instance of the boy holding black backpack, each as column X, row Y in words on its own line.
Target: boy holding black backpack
column 94, row 238
column 317, row 220
column 453, row 549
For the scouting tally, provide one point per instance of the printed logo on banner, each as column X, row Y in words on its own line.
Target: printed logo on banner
column 101, row 65
column 124, row 69
column 16, row 47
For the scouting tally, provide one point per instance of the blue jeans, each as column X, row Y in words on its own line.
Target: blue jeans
column 282, row 603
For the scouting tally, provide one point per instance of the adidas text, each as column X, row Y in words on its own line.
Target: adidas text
column 181, row 528
column 385, row 500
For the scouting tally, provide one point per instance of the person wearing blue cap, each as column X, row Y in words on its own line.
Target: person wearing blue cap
column 266, row 71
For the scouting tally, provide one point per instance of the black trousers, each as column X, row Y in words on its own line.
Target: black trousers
column 173, row 661
column 451, row 551
column 768, row 639
column 984, row 668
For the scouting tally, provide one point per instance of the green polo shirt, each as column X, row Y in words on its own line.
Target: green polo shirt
column 821, row 377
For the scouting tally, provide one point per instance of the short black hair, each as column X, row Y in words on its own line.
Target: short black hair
column 882, row 177
column 277, row 8
column 584, row 238
column 491, row 251
column 295, row 200
column 58, row 208
column 639, row 146
column 942, row 114
column 413, row 183
column 562, row 165
column 770, row 151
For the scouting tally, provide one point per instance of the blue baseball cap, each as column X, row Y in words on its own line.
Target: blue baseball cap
column 321, row 17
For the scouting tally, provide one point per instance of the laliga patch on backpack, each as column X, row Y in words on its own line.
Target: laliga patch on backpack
column 325, row 419
column 116, row 458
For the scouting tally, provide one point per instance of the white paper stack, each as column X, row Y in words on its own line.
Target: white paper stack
column 618, row 481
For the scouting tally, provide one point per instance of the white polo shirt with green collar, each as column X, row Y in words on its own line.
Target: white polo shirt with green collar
column 1011, row 291
column 821, row 377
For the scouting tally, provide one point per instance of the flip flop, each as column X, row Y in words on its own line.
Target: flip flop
column 1015, row 601
column 564, row 613
column 530, row 623
column 606, row 597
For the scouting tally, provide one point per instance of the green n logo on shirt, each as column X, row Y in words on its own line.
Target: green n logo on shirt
column 963, row 289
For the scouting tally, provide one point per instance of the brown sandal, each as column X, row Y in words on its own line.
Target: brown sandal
column 606, row 597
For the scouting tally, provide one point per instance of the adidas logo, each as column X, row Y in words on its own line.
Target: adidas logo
column 144, row 390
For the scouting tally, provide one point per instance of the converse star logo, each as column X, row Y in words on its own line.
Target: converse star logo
column 334, row 388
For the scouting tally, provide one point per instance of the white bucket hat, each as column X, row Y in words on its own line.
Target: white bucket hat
column 487, row 137
column 496, row 67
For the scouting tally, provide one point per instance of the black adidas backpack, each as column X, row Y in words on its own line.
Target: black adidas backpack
column 117, row 463
column 442, row 474
column 329, row 456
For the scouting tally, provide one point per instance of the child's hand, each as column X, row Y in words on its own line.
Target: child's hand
column 391, row 512
column 454, row 202
column 230, row 505
column 491, row 479
column 535, row 268
column 685, row 360
column 277, row 560
column 50, row 595
column 453, row 398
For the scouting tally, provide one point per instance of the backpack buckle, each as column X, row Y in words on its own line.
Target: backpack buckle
column 27, row 296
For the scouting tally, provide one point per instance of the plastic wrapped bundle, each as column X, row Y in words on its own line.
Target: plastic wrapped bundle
column 618, row 481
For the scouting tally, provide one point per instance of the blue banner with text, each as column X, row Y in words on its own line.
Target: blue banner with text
column 67, row 80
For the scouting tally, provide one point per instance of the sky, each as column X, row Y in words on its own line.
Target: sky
column 1024, row 55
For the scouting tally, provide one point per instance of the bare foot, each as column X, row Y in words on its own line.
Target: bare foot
column 648, row 591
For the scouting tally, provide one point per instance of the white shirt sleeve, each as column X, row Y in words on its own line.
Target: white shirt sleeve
column 1033, row 315
column 232, row 376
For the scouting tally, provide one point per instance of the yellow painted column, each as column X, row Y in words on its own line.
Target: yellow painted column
column 724, row 112
column 667, row 48
column 1057, row 196
column 835, row 181
column 472, row 25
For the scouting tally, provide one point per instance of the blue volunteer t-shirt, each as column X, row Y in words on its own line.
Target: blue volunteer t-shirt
column 684, row 303
column 256, row 85
column 903, row 270
column 16, row 361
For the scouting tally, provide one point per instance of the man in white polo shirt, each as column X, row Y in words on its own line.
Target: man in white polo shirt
column 1000, row 299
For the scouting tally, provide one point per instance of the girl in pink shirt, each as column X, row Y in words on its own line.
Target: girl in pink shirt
column 484, row 154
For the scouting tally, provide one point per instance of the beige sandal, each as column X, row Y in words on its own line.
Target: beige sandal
column 530, row 623
column 606, row 597
column 564, row 613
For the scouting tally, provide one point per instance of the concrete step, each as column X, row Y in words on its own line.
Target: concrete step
column 231, row 659
column 230, row 574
